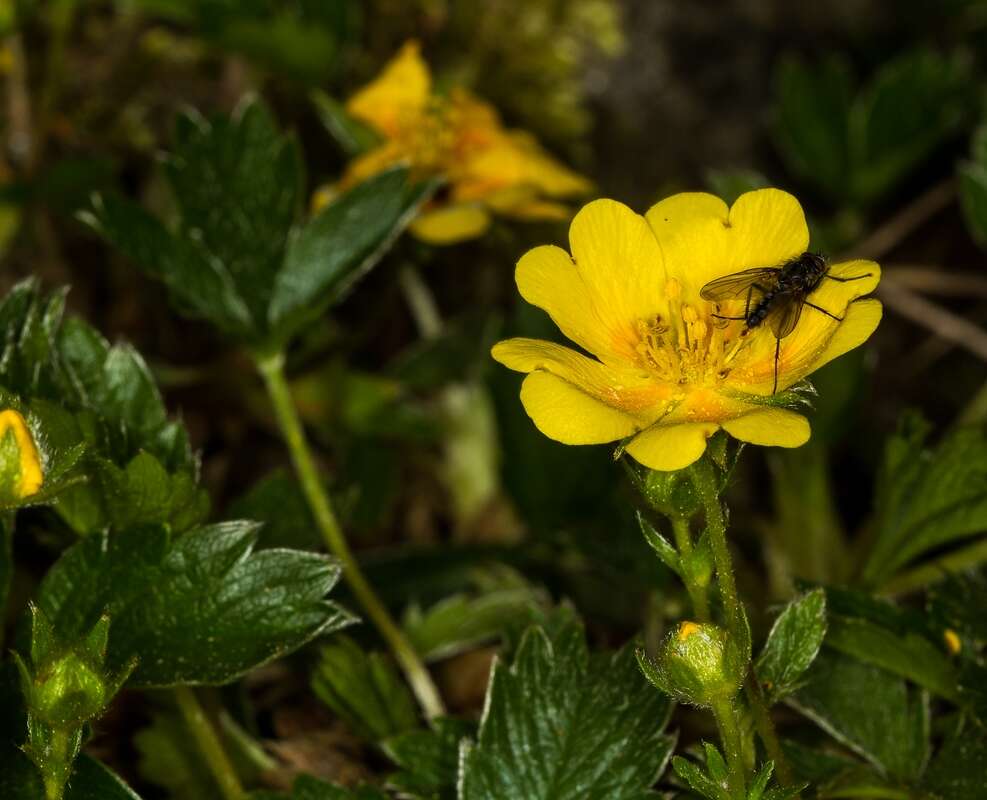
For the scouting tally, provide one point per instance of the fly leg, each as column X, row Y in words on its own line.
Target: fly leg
column 824, row 311
column 847, row 280
column 774, row 389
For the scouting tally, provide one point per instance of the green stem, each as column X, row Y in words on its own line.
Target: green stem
column 726, row 723
column 421, row 301
column 766, row 730
column 697, row 593
column 272, row 370
column 705, row 480
column 209, row 744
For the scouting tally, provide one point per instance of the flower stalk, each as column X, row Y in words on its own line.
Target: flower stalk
column 697, row 591
column 209, row 744
column 271, row 369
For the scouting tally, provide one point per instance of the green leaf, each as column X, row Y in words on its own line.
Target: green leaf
column 562, row 724
column 350, row 134
column 364, row 689
column 697, row 779
column 959, row 769
column 91, row 780
column 868, row 710
column 460, row 622
column 812, row 110
column 200, row 285
column 238, row 184
column 428, row 759
column 167, row 757
column 328, row 255
column 927, row 497
column 973, row 187
column 911, row 106
column 792, row 644
column 910, row 655
column 199, row 609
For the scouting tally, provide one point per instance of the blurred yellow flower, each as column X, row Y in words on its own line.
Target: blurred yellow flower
column 488, row 168
column 667, row 373
column 28, row 472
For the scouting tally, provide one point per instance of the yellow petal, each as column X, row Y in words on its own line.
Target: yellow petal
column 618, row 387
column 621, row 265
column 770, row 427
column 398, row 95
column 702, row 240
column 547, row 278
column 372, row 163
column 671, row 447
column 452, row 224
column 862, row 319
column 566, row 414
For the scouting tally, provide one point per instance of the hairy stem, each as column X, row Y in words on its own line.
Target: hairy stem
column 209, row 744
column 272, row 370
column 697, row 593
column 726, row 722
column 766, row 730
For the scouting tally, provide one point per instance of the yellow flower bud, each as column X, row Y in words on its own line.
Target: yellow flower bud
column 24, row 476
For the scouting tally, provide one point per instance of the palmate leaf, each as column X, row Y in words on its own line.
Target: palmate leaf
column 927, row 497
column 560, row 724
column 240, row 255
column 199, row 609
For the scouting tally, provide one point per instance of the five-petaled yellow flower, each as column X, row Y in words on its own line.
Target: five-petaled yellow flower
column 666, row 373
column 488, row 168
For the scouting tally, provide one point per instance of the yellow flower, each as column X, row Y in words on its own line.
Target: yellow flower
column 488, row 168
column 29, row 476
column 667, row 373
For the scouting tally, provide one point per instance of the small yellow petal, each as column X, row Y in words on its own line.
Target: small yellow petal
column 770, row 427
column 397, row 95
column 31, row 474
column 702, row 240
column 566, row 414
column 453, row 224
column 671, row 447
column 622, row 268
column 862, row 319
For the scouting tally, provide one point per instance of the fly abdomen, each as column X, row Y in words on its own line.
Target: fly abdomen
column 758, row 314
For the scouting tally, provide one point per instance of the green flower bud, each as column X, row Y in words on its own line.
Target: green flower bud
column 698, row 663
column 20, row 463
column 68, row 692
column 671, row 493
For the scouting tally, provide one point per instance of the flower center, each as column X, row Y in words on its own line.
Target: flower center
column 690, row 347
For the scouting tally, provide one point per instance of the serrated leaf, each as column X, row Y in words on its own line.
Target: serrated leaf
column 869, row 710
column 927, row 497
column 428, row 759
column 200, row 609
column 792, row 644
column 559, row 724
column 330, row 253
column 199, row 284
column 698, row 780
column 364, row 689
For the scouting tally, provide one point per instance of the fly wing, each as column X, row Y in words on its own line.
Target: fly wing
column 784, row 314
column 730, row 287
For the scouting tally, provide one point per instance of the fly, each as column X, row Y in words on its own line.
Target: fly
column 775, row 295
